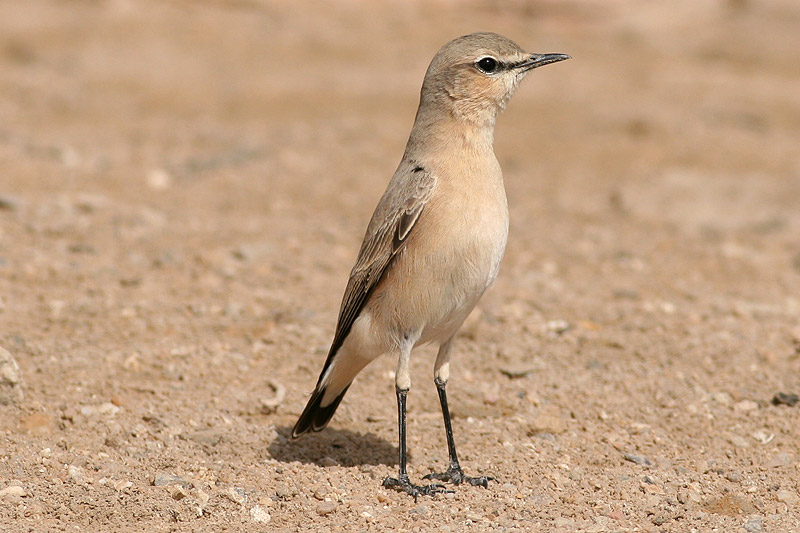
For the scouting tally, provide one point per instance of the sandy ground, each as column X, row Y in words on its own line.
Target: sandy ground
column 183, row 189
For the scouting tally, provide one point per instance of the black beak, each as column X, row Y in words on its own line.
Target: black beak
column 540, row 60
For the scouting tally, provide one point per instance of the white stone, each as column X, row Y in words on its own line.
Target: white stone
column 260, row 515
column 13, row 490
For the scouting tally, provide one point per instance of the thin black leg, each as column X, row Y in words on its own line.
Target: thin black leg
column 401, row 430
column 401, row 482
column 454, row 474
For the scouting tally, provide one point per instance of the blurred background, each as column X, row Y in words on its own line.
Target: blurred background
column 661, row 97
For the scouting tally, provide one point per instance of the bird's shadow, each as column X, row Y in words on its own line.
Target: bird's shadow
column 344, row 447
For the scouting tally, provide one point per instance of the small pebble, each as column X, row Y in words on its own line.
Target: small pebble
column 745, row 406
column 782, row 398
column 763, row 437
column 738, row 441
column 544, row 423
column 557, row 326
column 660, row 519
column 207, row 437
column 734, row 476
column 754, row 524
column 162, row 480
column 13, row 491
column 779, row 459
column 517, row 371
column 266, row 501
column 326, row 508
column 420, row 509
column 270, row 404
column 122, row 485
column 686, row 496
column 106, row 408
column 158, row 179
column 538, row 499
column 650, row 488
column 202, row 497
column 260, row 514
column 788, row 497
column 722, row 398
column 638, row 459
column 76, row 473
column 10, row 379
column 9, row 203
column 282, row 492
column 237, row 495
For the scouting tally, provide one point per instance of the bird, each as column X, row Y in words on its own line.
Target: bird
column 434, row 242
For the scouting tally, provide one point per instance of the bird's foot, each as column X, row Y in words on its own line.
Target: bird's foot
column 456, row 476
column 403, row 484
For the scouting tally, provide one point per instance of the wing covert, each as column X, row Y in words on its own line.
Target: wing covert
column 392, row 222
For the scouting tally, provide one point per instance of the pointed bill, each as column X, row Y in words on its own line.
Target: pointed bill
column 540, row 60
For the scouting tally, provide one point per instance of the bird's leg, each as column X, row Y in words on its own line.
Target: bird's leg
column 402, row 384
column 401, row 482
column 453, row 474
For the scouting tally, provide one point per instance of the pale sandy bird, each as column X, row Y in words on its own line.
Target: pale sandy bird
column 436, row 239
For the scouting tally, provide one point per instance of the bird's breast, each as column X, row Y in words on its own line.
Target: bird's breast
column 474, row 217
column 451, row 258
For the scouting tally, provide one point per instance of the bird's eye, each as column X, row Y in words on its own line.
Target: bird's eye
column 487, row 64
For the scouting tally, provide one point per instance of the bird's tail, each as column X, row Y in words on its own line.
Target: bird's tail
column 315, row 417
column 340, row 370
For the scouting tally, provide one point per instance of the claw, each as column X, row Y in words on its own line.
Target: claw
column 403, row 484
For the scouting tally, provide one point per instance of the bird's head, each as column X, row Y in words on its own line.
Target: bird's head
column 474, row 76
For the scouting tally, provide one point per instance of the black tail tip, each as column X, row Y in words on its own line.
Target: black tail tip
column 314, row 417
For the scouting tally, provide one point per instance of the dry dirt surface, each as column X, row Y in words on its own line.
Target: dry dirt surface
column 183, row 190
